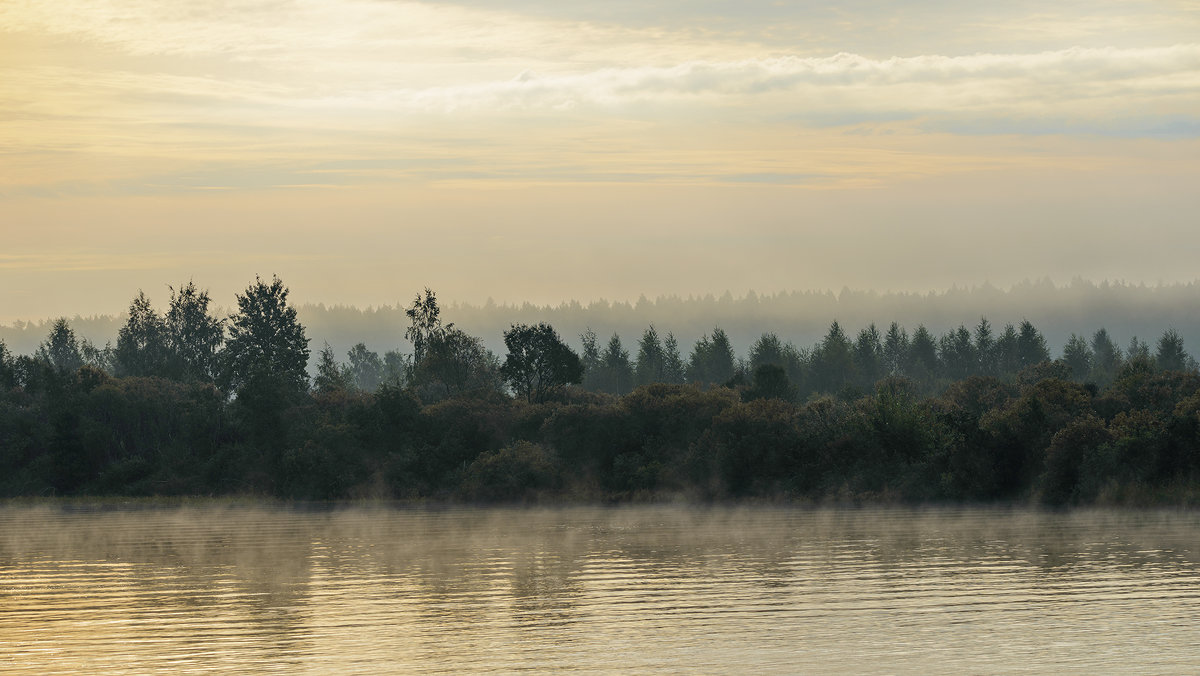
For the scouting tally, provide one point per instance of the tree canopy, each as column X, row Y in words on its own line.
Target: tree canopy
column 266, row 341
column 61, row 349
column 142, row 348
column 961, row 415
column 538, row 361
column 425, row 324
column 194, row 336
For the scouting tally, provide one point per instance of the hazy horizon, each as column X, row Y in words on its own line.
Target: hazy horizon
column 529, row 150
column 800, row 317
column 159, row 296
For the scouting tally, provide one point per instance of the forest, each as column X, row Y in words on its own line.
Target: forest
column 190, row 403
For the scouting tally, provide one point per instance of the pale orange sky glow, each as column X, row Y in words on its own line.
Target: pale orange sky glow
column 529, row 150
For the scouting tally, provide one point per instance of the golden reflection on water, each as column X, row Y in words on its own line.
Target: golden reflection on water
column 664, row 589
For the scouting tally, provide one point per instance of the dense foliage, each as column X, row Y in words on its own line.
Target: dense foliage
column 969, row 415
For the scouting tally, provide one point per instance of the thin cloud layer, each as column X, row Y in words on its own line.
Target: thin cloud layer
column 1104, row 78
column 662, row 131
column 351, row 57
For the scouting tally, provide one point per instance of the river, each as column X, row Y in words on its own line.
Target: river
column 219, row 588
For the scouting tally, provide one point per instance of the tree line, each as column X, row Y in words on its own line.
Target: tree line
column 187, row 402
column 838, row 362
column 801, row 316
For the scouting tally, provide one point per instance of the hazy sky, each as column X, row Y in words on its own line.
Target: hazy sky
column 546, row 150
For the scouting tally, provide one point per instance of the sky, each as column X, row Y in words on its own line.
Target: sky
column 541, row 150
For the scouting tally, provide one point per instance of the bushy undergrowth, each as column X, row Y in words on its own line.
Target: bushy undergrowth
column 1037, row 437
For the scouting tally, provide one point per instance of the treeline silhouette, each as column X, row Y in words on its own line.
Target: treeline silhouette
column 187, row 403
column 1125, row 310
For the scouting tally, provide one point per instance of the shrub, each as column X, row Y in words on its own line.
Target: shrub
column 518, row 472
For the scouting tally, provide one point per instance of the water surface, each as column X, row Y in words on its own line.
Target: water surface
column 622, row 590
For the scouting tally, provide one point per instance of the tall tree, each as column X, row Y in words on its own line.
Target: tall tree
column 1138, row 351
column 331, row 376
column 957, row 351
column 712, row 360
column 1031, row 345
column 895, row 350
column 768, row 349
column 1106, row 358
column 985, row 348
column 1170, row 355
column 60, row 351
column 100, row 358
column 1078, row 358
column 396, row 367
column 267, row 346
column 833, row 361
column 194, row 337
column 366, row 368
column 868, row 356
column 923, row 364
column 447, row 362
column 650, row 365
column 455, row 364
column 593, row 364
column 142, row 347
column 673, row 368
column 538, row 362
column 698, row 361
column 8, row 369
column 721, row 363
column 1008, row 360
column 425, row 324
column 616, row 370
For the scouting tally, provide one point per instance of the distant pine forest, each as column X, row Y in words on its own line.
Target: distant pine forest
column 189, row 403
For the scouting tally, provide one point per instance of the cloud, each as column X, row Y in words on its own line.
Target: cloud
column 973, row 81
column 141, row 96
column 1088, row 82
column 301, row 63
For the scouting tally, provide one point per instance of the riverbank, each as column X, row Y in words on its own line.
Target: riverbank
column 981, row 440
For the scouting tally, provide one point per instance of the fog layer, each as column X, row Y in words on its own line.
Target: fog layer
column 799, row 317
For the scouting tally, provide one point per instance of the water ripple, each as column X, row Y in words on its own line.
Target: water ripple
column 670, row 590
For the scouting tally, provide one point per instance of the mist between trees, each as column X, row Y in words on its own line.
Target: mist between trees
column 801, row 318
column 186, row 401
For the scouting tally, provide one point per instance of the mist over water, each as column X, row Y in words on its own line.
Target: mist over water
column 632, row 589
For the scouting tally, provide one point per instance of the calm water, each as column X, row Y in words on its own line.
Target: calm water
column 671, row 590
